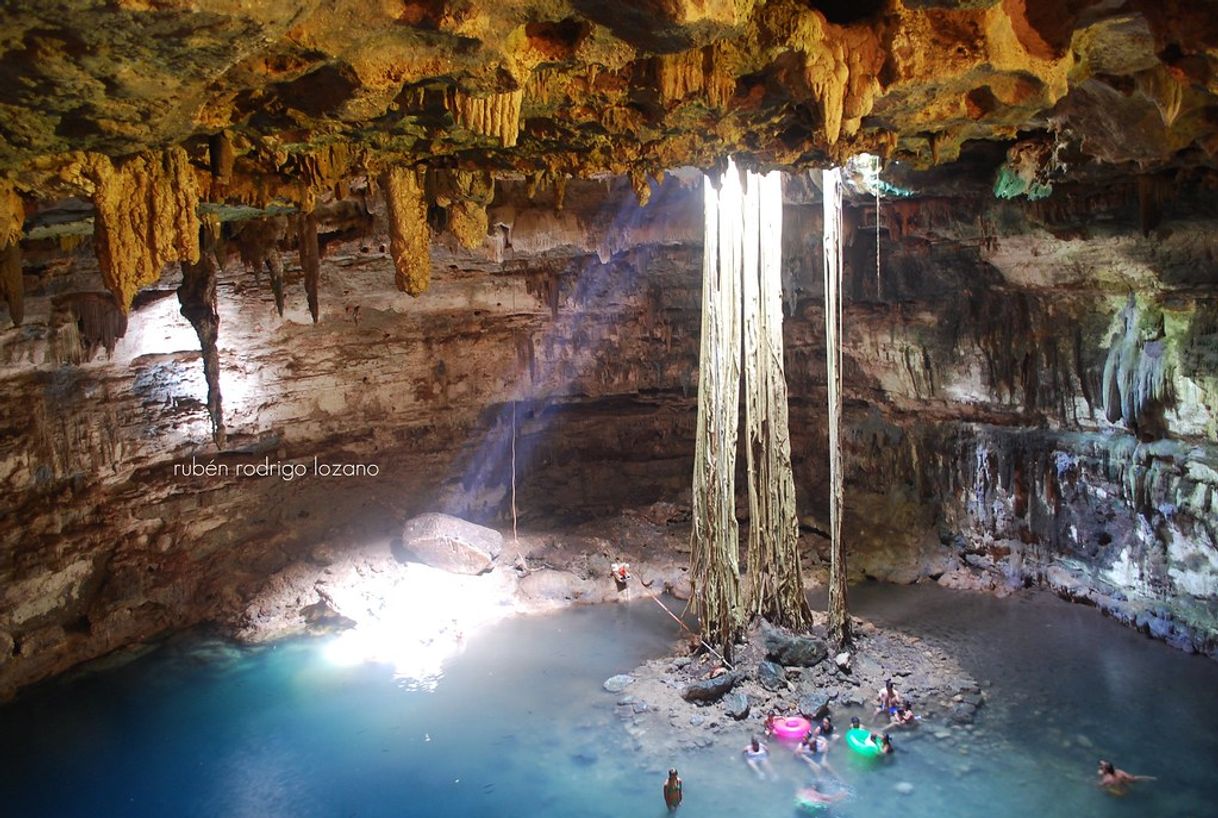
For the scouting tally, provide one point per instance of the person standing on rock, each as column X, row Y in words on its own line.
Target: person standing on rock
column 672, row 790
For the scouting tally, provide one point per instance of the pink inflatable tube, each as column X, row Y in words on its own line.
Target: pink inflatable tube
column 793, row 728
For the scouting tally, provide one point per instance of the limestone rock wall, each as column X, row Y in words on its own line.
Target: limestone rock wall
column 124, row 520
column 1034, row 396
column 1014, row 414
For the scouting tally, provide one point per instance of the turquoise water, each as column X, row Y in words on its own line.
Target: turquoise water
column 519, row 726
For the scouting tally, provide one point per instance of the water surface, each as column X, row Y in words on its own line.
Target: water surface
column 519, row 726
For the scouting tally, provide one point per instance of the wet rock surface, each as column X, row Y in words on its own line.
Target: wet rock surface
column 924, row 673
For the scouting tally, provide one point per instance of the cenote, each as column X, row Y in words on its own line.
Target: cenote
column 371, row 374
column 518, row 724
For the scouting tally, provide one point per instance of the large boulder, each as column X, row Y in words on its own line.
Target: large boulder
column 791, row 650
column 771, row 675
column 736, row 705
column 814, row 706
column 711, row 690
column 451, row 544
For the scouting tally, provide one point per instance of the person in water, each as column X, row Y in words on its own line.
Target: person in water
column 904, row 717
column 825, row 728
column 770, row 720
column 855, row 724
column 758, row 758
column 1117, row 781
column 815, row 796
column 888, row 700
column 814, row 751
column 882, row 741
column 672, row 790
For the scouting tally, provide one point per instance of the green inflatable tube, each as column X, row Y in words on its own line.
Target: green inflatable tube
column 857, row 739
column 805, row 804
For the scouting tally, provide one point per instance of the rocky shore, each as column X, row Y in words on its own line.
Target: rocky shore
column 694, row 700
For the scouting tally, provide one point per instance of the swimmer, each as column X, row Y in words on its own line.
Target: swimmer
column 904, row 717
column 672, row 790
column 1117, row 781
column 812, row 794
column 825, row 728
column 770, row 719
column 882, row 741
column 814, row 751
column 758, row 758
column 855, row 724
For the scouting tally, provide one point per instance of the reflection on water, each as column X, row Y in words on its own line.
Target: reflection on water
column 519, row 726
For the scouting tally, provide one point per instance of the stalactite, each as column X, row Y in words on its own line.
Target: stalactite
column 145, row 218
column 465, row 195
column 258, row 244
column 220, row 156
column 1151, row 192
column 323, row 167
column 776, row 588
column 98, row 321
column 409, row 239
column 839, row 618
column 11, row 282
column 12, row 217
column 545, row 284
column 828, row 76
column 1163, row 86
column 197, row 295
column 310, row 258
column 714, row 560
column 497, row 115
column 1137, row 380
column 696, row 71
column 640, row 185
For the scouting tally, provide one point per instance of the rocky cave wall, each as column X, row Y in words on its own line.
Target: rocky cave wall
column 1031, row 398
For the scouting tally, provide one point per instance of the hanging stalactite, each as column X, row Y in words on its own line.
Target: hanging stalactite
column 776, row 589
column 310, row 257
column 197, row 295
column 715, row 570
column 146, row 218
column 83, row 323
column 258, row 243
column 12, row 287
column 409, row 239
column 839, row 617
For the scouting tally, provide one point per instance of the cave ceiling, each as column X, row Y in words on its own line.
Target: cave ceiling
column 306, row 90
column 151, row 111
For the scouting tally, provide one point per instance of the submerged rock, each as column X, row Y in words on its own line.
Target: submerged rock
column 789, row 649
column 711, row 690
column 450, row 543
